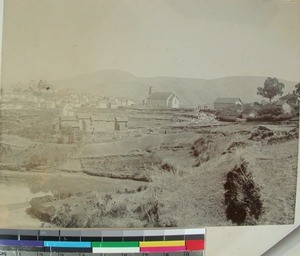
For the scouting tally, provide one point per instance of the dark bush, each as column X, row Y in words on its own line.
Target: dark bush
column 168, row 167
column 233, row 112
column 208, row 110
column 270, row 109
column 242, row 196
column 270, row 118
column 270, row 113
column 227, row 118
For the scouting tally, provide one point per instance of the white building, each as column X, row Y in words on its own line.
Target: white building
column 102, row 104
column 287, row 108
column 163, row 100
column 68, row 110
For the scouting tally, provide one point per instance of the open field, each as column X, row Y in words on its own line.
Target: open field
column 169, row 168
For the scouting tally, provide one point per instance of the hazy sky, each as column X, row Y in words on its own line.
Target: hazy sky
column 53, row 39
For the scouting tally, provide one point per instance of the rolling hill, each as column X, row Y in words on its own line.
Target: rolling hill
column 191, row 91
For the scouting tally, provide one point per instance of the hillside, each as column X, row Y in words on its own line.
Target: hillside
column 195, row 91
column 191, row 91
column 188, row 172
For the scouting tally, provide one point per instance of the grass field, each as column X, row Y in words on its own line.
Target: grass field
column 170, row 173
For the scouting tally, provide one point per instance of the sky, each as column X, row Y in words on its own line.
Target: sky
column 55, row 39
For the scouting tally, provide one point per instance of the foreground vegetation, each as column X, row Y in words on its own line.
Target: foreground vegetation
column 161, row 172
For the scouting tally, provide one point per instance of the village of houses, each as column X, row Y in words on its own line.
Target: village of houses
column 79, row 112
column 81, row 146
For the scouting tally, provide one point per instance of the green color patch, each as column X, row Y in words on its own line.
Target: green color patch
column 115, row 244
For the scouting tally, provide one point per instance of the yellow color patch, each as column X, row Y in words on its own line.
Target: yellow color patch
column 162, row 243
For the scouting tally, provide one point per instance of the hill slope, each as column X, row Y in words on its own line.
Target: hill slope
column 191, row 91
column 115, row 83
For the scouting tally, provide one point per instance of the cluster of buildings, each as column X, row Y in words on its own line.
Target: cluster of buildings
column 87, row 122
column 288, row 103
column 51, row 99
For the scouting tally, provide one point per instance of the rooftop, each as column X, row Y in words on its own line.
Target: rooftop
column 159, row 95
column 227, row 100
column 289, row 96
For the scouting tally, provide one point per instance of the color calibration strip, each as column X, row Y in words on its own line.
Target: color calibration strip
column 103, row 242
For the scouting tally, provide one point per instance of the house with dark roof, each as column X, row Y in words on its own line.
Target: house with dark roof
column 227, row 103
column 162, row 100
column 290, row 98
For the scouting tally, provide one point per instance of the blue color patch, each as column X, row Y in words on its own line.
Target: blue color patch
column 68, row 244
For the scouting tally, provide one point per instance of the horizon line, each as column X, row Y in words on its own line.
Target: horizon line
column 137, row 76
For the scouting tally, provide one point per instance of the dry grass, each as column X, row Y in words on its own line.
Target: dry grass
column 188, row 169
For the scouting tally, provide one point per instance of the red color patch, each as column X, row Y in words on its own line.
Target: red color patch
column 194, row 245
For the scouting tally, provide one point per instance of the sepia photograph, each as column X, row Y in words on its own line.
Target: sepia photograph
column 148, row 114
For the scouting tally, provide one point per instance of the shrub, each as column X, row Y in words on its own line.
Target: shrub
column 229, row 112
column 242, row 196
column 208, row 110
column 150, row 212
column 227, row 118
column 270, row 109
column 270, row 118
column 202, row 150
column 168, row 167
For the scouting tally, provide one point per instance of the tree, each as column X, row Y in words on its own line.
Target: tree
column 272, row 87
column 297, row 91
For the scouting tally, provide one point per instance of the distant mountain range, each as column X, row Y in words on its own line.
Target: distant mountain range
column 191, row 91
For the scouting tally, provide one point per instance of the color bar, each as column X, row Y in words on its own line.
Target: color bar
column 162, row 243
column 163, row 249
column 106, row 241
column 115, row 244
column 194, row 245
column 194, row 231
column 23, row 243
column 67, row 244
column 116, row 249
column 75, row 251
